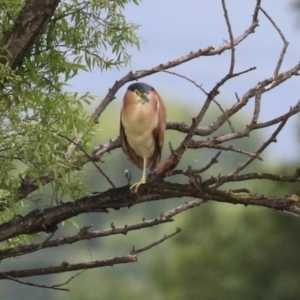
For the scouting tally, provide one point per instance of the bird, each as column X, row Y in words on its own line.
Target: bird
column 142, row 128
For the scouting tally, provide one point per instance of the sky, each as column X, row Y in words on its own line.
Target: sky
column 173, row 28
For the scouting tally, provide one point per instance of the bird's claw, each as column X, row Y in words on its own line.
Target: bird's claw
column 135, row 186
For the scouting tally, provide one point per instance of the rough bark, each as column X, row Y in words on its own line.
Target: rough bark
column 48, row 219
column 28, row 26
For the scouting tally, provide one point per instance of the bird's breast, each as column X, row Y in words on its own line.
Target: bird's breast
column 139, row 120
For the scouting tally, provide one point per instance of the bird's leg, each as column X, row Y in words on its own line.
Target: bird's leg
column 136, row 185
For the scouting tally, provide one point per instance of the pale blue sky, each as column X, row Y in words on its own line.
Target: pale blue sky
column 172, row 28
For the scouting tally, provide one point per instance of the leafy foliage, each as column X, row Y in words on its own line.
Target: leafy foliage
column 38, row 117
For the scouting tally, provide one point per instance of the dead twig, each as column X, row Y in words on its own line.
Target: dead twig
column 154, row 244
column 285, row 42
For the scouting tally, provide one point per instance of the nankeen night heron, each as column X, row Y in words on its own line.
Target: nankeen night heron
column 142, row 127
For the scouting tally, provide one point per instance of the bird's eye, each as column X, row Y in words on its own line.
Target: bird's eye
column 137, row 93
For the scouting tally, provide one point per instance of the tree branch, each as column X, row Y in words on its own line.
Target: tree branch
column 85, row 234
column 66, row 267
column 31, row 283
column 285, row 42
column 208, row 51
column 166, row 237
column 28, row 26
column 48, row 219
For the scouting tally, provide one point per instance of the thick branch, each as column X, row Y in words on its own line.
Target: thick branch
column 97, row 153
column 48, row 219
column 28, row 26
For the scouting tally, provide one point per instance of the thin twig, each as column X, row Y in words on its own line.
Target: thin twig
column 232, row 60
column 190, row 171
column 69, row 280
column 5, row 276
column 140, row 250
column 285, row 42
column 236, row 135
column 90, row 158
column 211, row 144
column 206, row 93
column 272, row 139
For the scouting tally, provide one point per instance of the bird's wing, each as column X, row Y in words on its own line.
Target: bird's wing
column 159, row 131
column 129, row 152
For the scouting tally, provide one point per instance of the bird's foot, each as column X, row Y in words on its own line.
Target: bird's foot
column 135, row 186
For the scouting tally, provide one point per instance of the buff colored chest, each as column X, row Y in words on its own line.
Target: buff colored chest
column 139, row 123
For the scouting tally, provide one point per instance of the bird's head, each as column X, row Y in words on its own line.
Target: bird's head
column 141, row 91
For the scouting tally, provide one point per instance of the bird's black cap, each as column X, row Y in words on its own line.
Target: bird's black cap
column 141, row 87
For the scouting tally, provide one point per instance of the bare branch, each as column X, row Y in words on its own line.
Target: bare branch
column 68, row 280
column 66, row 267
column 190, row 171
column 206, row 93
column 48, row 219
column 76, row 144
column 293, row 110
column 212, row 144
column 85, row 234
column 100, row 150
column 232, row 61
column 208, row 51
column 140, row 250
column 272, row 139
column 256, row 109
column 31, row 283
column 251, row 176
column 175, row 157
column 285, row 43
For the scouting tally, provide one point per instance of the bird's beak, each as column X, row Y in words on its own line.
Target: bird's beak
column 144, row 97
